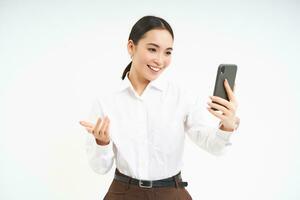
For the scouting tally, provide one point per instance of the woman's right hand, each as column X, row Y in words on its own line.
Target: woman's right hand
column 100, row 131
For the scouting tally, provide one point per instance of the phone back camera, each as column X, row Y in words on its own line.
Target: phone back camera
column 222, row 70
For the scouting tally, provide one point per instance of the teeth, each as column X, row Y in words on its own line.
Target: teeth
column 154, row 68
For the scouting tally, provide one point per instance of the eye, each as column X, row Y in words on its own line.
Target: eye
column 168, row 53
column 152, row 50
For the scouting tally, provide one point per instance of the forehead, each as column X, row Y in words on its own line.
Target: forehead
column 160, row 37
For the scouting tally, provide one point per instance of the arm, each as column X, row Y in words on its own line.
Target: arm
column 212, row 139
column 98, row 145
column 100, row 157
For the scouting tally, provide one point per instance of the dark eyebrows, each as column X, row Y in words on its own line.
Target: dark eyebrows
column 170, row 48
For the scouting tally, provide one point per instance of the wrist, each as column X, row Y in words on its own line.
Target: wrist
column 101, row 143
column 228, row 129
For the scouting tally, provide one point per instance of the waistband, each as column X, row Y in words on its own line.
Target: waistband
column 174, row 181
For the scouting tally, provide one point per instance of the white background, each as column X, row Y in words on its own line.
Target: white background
column 55, row 56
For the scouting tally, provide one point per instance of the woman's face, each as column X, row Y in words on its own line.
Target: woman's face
column 152, row 54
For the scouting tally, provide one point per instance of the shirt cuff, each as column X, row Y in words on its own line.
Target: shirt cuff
column 224, row 135
column 103, row 149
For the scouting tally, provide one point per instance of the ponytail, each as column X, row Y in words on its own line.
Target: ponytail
column 127, row 69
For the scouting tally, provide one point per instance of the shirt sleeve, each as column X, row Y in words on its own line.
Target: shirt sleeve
column 207, row 137
column 100, row 158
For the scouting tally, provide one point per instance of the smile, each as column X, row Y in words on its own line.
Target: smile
column 156, row 69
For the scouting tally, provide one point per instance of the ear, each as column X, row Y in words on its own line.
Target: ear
column 130, row 48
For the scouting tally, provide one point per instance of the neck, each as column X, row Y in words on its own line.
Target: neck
column 139, row 84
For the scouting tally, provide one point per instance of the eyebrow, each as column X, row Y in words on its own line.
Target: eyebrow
column 170, row 48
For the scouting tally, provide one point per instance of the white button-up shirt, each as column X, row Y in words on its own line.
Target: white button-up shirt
column 147, row 132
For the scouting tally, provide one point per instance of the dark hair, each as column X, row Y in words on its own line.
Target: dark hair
column 142, row 26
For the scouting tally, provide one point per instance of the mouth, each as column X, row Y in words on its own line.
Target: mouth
column 155, row 69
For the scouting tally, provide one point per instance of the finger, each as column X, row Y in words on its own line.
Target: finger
column 223, row 102
column 90, row 130
column 229, row 90
column 86, row 124
column 104, row 126
column 97, row 126
column 219, row 107
column 216, row 113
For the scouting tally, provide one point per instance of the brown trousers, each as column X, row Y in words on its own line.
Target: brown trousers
column 125, row 191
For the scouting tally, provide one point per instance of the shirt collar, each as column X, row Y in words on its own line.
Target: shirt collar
column 160, row 83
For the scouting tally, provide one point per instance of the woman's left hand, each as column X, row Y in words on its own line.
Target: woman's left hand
column 225, row 110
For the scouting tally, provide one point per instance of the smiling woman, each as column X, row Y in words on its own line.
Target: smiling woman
column 148, row 118
column 150, row 56
column 149, row 45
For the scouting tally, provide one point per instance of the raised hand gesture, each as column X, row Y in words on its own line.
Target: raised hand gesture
column 100, row 131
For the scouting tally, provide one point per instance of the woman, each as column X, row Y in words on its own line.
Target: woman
column 142, row 124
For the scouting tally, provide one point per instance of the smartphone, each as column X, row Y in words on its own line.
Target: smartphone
column 225, row 71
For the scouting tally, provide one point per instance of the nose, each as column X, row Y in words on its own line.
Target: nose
column 159, row 59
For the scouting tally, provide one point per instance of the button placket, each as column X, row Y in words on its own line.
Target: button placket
column 142, row 128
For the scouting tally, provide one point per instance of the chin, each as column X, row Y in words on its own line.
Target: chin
column 152, row 78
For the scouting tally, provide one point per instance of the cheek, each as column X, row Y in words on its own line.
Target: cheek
column 149, row 56
column 167, row 61
column 145, row 57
